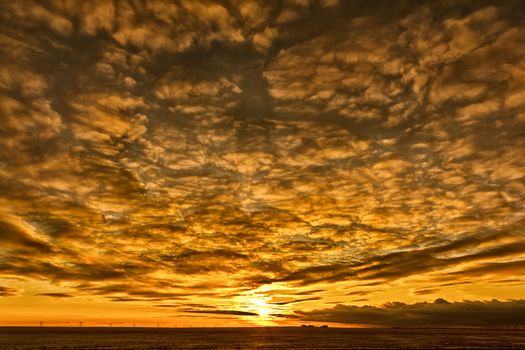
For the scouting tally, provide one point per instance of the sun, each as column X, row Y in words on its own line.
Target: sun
column 263, row 312
column 263, row 309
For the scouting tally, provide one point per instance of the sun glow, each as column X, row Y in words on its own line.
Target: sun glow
column 259, row 303
column 263, row 312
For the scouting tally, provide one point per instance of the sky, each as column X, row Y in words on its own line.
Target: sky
column 257, row 163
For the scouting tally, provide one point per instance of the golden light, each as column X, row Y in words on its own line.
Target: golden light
column 259, row 303
column 263, row 311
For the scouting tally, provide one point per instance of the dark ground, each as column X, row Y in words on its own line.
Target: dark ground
column 257, row 338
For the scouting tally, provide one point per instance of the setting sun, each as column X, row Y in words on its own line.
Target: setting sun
column 263, row 309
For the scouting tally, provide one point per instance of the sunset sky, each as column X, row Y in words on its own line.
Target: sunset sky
column 249, row 163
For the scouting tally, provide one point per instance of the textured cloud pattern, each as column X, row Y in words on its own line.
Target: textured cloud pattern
column 190, row 156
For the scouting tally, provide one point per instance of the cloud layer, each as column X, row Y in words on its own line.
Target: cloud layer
column 263, row 157
column 436, row 314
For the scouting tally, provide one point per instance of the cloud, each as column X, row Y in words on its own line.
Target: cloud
column 295, row 301
column 56, row 295
column 97, row 15
column 161, row 151
column 263, row 40
column 13, row 236
column 7, row 292
column 169, row 28
column 440, row 313
column 35, row 16
column 222, row 312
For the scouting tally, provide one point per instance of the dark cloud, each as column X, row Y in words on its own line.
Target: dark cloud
column 414, row 261
column 440, row 313
column 295, row 301
column 14, row 236
column 310, row 292
column 56, row 295
column 7, row 292
column 187, row 305
column 358, row 292
column 514, row 267
column 222, row 312
column 426, row 291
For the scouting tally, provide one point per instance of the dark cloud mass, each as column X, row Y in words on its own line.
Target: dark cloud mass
column 56, row 295
column 222, row 312
column 7, row 292
column 440, row 312
column 264, row 157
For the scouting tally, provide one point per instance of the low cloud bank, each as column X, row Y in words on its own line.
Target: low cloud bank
column 440, row 313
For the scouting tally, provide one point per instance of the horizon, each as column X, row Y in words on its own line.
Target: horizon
column 269, row 163
column 338, row 326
